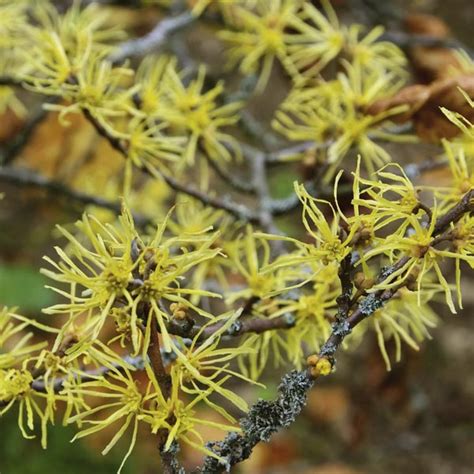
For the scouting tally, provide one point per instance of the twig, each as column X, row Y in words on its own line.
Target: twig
column 168, row 457
column 344, row 300
column 39, row 384
column 464, row 206
column 24, row 177
column 260, row 184
column 242, row 326
column 156, row 361
column 154, row 39
column 20, row 140
column 237, row 183
column 240, row 211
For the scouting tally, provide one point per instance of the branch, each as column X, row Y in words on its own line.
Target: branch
column 267, row 417
column 243, row 326
column 465, row 205
column 154, row 39
column 168, row 457
column 39, row 385
column 240, row 211
column 24, row 177
column 237, row 183
column 20, row 140
column 156, row 361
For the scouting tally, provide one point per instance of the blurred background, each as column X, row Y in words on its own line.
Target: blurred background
column 418, row 418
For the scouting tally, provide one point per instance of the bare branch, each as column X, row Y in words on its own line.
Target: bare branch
column 20, row 140
column 240, row 211
column 24, row 177
column 154, row 39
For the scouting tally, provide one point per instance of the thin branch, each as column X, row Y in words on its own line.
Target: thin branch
column 465, row 205
column 115, row 142
column 242, row 326
column 236, row 182
column 154, row 39
column 240, row 211
column 24, row 177
column 20, row 140
column 260, row 184
column 156, row 361
column 168, row 457
column 39, row 384
column 344, row 300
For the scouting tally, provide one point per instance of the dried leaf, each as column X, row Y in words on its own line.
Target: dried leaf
column 431, row 62
column 423, row 106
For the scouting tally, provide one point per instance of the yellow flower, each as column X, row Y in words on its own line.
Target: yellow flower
column 329, row 245
column 318, row 40
column 190, row 111
column 191, row 217
column 122, row 401
column 462, row 174
column 203, row 362
column 15, row 388
column 60, row 45
column 261, row 37
column 333, row 112
column 404, row 319
column 251, row 259
column 148, row 147
column 150, row 79
column 420, row 258
column 115, row 268
column 180, row 418
column 14, row 341
column 391, row 197
column 373, row 55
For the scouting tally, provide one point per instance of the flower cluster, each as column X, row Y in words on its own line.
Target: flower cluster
column 161, row 311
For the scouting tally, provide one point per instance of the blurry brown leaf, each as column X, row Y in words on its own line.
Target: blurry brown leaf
column 73, row 153
column 413, row 97
column 423, row 106
column 431, row 62
column 423, row 24
column 430, row 122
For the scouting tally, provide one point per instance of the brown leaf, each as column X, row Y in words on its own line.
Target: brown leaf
column 413, row 97
column 430, row 123
column 431, row 62
column 423, row 24
column 423, row 106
